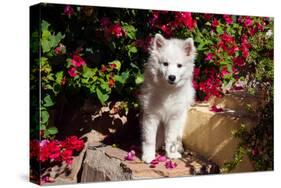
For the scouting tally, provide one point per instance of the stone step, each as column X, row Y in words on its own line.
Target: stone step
column 210, row 134
column 238, row 101
column 107, row 163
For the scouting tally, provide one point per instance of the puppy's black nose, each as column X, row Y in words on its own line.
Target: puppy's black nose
column 172, row 78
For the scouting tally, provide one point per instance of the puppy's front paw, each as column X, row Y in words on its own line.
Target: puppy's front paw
column 147, row 157
column 174, row 155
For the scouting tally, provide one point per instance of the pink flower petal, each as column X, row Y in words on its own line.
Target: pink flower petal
column 154, row 162
column 161, row 158
column 170, row 164
column 214, row 108
column 130, row 155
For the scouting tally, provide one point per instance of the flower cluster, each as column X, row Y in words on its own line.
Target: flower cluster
column 54, row 150
column 76, row 62
column 210, row 84
column 178, row 20
column 111, row 29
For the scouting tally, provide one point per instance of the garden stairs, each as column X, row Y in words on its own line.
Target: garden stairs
column 208, row 142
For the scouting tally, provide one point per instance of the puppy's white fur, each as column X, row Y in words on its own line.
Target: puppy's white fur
column 164, row 102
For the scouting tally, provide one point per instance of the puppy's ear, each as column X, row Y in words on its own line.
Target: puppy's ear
column 189, row 47
column 158, row 41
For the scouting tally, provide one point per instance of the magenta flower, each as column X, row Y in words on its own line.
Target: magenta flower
column 160, row 158
column 214, row 108
column 248, row 21
column 130, row 155
column 224, row 72
column 239, row 61
column 77, row 61
column 215, row 23
column 44, row 142
column 154, row 162
column 68, row 11
column 186, row 19
column 46, row 179
column 72, row 72
column 228, row 19
column 170, row 164
column 116, row 30
column 209, row 57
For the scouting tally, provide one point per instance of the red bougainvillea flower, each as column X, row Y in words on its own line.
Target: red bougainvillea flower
column 186, row 19
column 105, row 22
column 196, row 72
column 161, row 158
column 77, row 61
column 73, row 143
column 207, row 16
column 214, row 108
column 224, row 72
column 227, row 38
column 103, row 69
column 228, row 19
column 167, row 30
column 113, row 65
column 248, row 21
column 54, row 149
column 111, row 83
column 46, row 179
column 66, row 156
column 68, row 11
column 72, row 72
column 170, row 164
column 57, row 50
column 209, row 57
column 116, row 30
column 130, row 155
column 215, row 23
column 239, row 61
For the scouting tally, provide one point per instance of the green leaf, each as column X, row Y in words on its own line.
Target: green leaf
column 122, row 78
column 229, row 68
column 131, row 49
column 88, row 72
column 46, row 34
column 101, row 96
column 52, row 130
column 130, row 30
column 48, row 101
column 105, row 87
column 46, row 46
column 44, row 25
column 139, row 79
column 44, row 116
column 59, row 76
column 117, row 63
column 219, row 30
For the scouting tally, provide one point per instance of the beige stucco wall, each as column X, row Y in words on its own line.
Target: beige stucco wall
column 209, row 134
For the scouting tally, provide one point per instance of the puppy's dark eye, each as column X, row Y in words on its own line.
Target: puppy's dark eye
column 179, row 65
column 165, row 64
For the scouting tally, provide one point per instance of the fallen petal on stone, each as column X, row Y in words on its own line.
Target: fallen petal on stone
column 162, row 158
column 170, row 164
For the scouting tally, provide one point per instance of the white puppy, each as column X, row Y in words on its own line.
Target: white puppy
column 166, row 95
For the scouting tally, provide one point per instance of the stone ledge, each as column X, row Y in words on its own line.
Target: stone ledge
column 106, row 163
column 209, row 133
